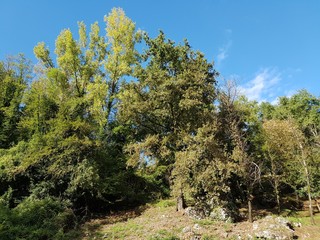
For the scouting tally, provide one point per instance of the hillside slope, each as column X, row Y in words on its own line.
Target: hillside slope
column 162, row 221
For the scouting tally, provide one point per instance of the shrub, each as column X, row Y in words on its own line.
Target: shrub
column 34, row 219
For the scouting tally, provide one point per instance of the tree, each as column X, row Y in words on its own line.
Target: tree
column 303, row 109
column 122, row 54
column 14, row 75
column 202, row 171
column 279, row 148
column 172, row 97
column 239, row 120
column 72, row 149
column 285, row 142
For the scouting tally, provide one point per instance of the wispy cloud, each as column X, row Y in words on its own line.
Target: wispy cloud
column 223, row 51
column 264, row 86
column 223, row 54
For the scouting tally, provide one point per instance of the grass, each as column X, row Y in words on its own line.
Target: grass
column 209, row 237
column 307, row 230
column 301, row 217
column 157, row 221
column 160, row 220
column 205, row 222
column 165, row 203
column 122, row 230
column 164, row 235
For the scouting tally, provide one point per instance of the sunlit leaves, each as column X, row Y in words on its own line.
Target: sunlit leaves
column 43, row 54
column 120, row 33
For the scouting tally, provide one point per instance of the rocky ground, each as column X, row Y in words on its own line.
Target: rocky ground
column 161, row 221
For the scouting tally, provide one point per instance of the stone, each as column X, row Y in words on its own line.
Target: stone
column 270, row 227
column 225, row 235
column 196, row 227
column 297, row 224
column 186, row 229
column 191, row 236
column 195, row 213
column 195, row 237
column 220, row 214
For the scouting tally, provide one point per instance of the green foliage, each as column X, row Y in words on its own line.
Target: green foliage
column 47, row 218
column 14, row 75
column 6, row 198
column 43, row 55
column 165, row 203
column 302, row 109
column 171, row 100
column 173, row 92
column 201, row 169
column 70, row 149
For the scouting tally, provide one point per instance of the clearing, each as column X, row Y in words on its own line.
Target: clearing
column 162, row 221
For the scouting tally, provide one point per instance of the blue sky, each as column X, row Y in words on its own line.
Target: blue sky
column 270, row 47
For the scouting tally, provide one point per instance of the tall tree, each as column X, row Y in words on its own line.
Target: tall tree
column 14, row 76
column 202, row 170
column 303, row 109
column 172, row 97
column 239, row 120
column 66, row 117
column 121, row 35
column 279, row 147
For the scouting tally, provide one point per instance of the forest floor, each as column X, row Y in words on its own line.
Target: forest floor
column 162, row 221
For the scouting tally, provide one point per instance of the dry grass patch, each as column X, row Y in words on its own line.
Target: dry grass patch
column 161, row 221
column 158, row 221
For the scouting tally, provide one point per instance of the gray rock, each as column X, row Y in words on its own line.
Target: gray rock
column 277, row 228
column 297, row 224
column 225, row 235
column 186, row 229
column 195, row 213
column 195, row 237
column 197, row 227
column 220, row 214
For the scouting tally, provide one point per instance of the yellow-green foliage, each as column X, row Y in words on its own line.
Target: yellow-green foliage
column 37, row 219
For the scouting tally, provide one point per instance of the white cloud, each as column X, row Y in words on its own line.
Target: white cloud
column 268, row 84
column 223, row 52
column 263, row 86
column 222, row 55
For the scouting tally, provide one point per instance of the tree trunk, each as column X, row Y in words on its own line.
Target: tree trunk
column 276, row 191
column 310, row 207
column 277, row 196
column 250, row 198
column 306, row 171
column 250, row 210
column 309, row 190
column 317, row 204
column 276, row 183
column 180, row 203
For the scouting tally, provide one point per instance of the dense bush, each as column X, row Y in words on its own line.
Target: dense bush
column 32, row 219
